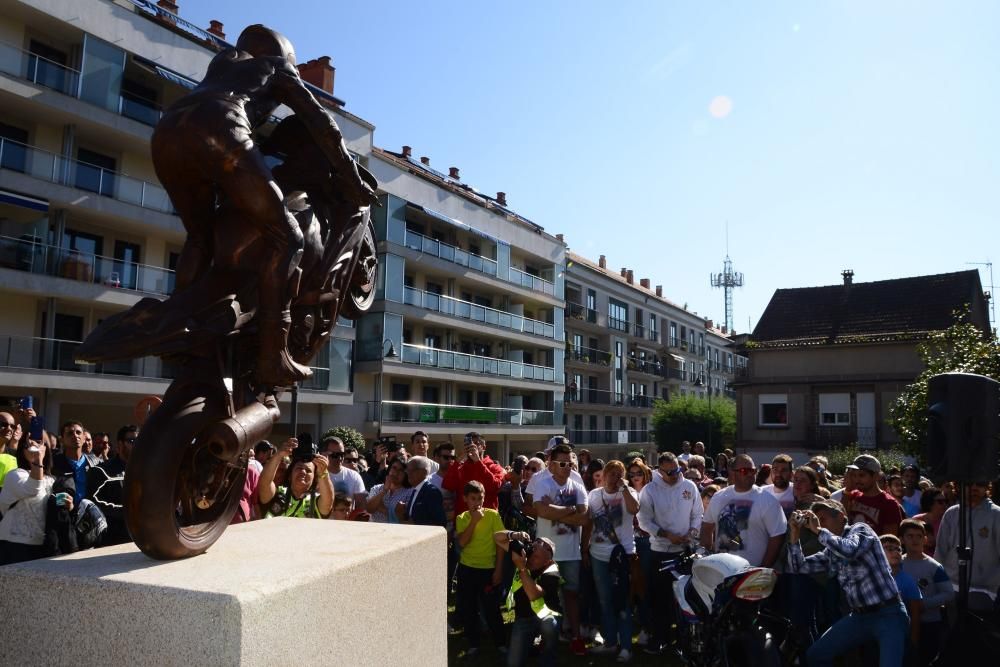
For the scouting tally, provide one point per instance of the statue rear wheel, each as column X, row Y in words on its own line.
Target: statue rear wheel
column 168, row 469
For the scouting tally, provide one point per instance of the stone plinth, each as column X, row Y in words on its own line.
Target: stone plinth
column 273, row 592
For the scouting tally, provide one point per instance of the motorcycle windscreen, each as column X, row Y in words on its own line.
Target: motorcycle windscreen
column 755, row 584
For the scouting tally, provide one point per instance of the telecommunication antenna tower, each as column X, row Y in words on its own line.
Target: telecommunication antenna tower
column 727, row 280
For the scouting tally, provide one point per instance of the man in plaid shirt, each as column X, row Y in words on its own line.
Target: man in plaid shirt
column 855, row 556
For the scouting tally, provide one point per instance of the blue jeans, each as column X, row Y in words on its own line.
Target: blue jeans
column 889, row 627
column 523, row 633
column 616, row 625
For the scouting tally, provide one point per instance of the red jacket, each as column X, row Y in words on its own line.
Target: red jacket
column 486, row 472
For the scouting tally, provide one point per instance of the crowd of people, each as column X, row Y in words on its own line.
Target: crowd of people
column 571, row 545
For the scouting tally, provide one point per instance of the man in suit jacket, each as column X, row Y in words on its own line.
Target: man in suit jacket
column 426, row 505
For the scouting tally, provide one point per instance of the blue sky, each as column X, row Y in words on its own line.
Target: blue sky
column 828, row 135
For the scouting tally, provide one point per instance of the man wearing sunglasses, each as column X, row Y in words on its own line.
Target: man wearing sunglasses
column 106, row 486
column 670, row 510
column 346, row 481
column 743, row 519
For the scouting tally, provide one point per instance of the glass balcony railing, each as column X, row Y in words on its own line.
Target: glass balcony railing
column 471, row 311
column 59, row 355
column 27, row 253
column 525, row 279
column 66, row 80
column 471, row 363
column 450, row 253
column 578, row 311
column 435, row 413
column 606, row 397
column 587, row 355
column 82, row 176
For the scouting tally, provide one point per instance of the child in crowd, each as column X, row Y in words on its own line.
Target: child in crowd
column 934, row 584
column 908, row 591
column 480, row 568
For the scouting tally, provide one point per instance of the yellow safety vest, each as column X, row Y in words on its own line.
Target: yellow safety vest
column 538, row 606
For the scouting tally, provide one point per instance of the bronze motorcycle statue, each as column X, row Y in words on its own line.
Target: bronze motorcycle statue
column 280, row 244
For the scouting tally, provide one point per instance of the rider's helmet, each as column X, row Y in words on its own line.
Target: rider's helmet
column 258, row 40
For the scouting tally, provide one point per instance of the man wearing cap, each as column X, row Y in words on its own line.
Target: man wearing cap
column 474, row 464
column 911, row 492
column 868, row 502
column 536, row 479
column 853, row 552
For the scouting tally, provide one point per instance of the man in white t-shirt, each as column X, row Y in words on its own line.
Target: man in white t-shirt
column 346, row 481
column 685, row 451
column 420, row 445
column 561, row 505
column 529, row 491
column 781, row 483
column 743, row 519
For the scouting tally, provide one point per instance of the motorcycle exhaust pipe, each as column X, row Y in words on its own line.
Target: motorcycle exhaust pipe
column 230, row 437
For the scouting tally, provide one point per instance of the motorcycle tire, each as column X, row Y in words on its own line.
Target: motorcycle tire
column 155, row 488
column 361, row 288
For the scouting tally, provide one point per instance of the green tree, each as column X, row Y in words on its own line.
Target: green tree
column 351, row 437
column 963, row 348
column 689, row 417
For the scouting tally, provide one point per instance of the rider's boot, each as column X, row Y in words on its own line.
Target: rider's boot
column 275, row 366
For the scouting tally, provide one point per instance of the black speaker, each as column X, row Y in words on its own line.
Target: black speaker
column 963, row 428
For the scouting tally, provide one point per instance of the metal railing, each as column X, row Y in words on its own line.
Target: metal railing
column 578, row 311
column 606, row 437
column 647, row 366
column 82, row 175
column 638, row 330
column 471, row 311
column 53, row 354
column 459, row 361
column 607, row 397
column 588, row 355
column 66, row 80
column 617, row 324
column 29, row 254
column 654, row 335
column 436, row 413
column 450, row 253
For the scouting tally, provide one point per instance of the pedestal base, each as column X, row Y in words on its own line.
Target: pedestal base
column 272, row 592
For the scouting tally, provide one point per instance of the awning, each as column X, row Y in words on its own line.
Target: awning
column 678, row 359
column 8, row 197
column 457, row 223
column 168, row 74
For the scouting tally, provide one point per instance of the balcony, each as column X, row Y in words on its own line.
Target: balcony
column 42, row 72
column 52, row 354
column 646, row 366
column 638, row 330
column 82, row 176
column 587, row 355
column 471, row 363
column 676, row 374
column 604, row 437
column 654, row 336
column 578, row 311
column 590, row 396
column 30, row 255
column 532, row 282
column 466, row 310
column 435, row 413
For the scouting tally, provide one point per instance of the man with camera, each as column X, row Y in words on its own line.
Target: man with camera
column 854, row 553
column 474, row 465
column 309, row 492
column 534, row 595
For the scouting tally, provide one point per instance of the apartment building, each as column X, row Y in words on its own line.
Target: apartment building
column 626, row 346
column 85, row 228
column 467, row 329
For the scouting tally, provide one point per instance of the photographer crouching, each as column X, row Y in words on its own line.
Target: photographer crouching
column 534, row 595
column 309, row 491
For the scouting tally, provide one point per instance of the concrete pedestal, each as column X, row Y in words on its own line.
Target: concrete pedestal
column 273, row 592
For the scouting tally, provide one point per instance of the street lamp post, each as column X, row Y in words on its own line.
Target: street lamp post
column 701, row 383
column 386, row 354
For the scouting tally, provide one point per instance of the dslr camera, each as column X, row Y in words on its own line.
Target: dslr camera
column 519, row 547
column 306, row 450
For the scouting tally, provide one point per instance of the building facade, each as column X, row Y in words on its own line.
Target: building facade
column 626, row 346
column 827, row 363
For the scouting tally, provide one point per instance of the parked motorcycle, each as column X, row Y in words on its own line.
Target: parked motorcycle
column 718, row 615
column 186, row 473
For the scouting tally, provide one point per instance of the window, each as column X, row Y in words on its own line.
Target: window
column 95, row 172
column 617, row 315
column 400, row 392
column 773, row 409
column 591, row 300
column 834, row 409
